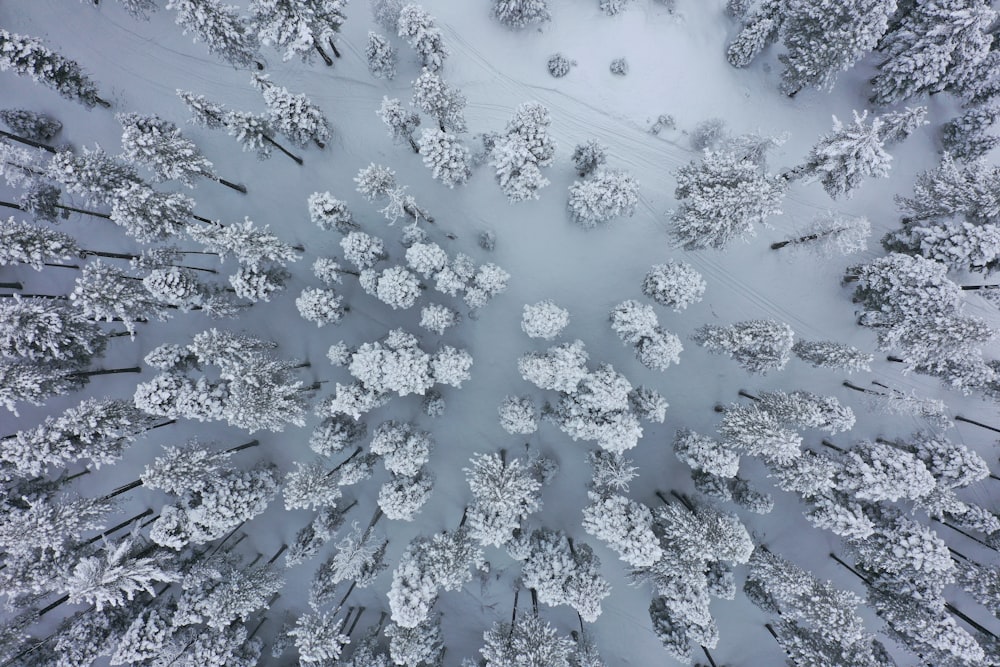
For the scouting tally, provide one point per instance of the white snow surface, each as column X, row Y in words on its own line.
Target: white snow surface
column 678, row 67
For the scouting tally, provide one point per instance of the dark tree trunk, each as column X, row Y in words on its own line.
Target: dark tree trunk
column 806, row 238
column 340, row 605
column 104, row 103
column 960, row 418
column 278, row 553
column 855, row 387
column 11, row 286
column 333, row 47
column 235, row 186
column 357, row 618
column 345, row 461
column 413, row 144
column 744, row 394
column 976, row 287
column 962, row 532
column 49, row 607
column 322, row 54
column 684, row 500
column 36, row 296
column 281, row 148
column 118, row 527
column 958, row 613
column 534, row 602
column 124, row 488
column 827, row 443
column 708, row 655
column 62, row 266
column 28, row 142
column 62, row 207
column 107, row 371
column 246, row 445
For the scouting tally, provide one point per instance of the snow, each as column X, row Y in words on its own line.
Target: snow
column 677, row 66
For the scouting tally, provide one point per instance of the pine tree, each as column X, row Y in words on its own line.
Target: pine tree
column 34, row 245
column 440, row 101
column 823, row 37
column 27, row 56
column 446, row 156
column 561, row 572
column 294, row 115
column 898, row 288
column 599, row 409
column 419, row 645
column 505, row 492
column 588, row 157
column 965, row 136
column 159, row 145
column 830, row 235
column 843, row 158
column 561, row 367
column 610, row 193
column 402, row 497
column 803, row 409
column 401, row 123
column 529, row 641
column 721, row 200
column 30, row 124
column 518, row 415
column 94, row 175
column 48, row 331
column 150, row 215
column 519, row 14
column 419, row 29
column 705, row 454
column 223, row 30
column 488, row 281
column 757, row 345
column 116, row 578
column 297, row 28
column 626, row 526
column 321, row 306
column 674, row 284
column 759, row 433
column 759, row 31
column 381, row 56
column 968, row 190
column 102, row 292
column 544, row 320
column 52, row 524
column 318, row 638
column 939, row 45
column 960, row 245
column 249, row 244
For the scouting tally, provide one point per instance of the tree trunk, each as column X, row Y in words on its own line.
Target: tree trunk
column 104, row 103
column 118, row 527
column 708, row 655
column 849, row 568
column 36, row 296
column 340, row 605
column 960, row 418
column 956, row 612
column 465, row 516
column 962, row 532
column 107, row 371
column 894, row 359
column 357, row 618
column 49, row 607
column 239, row 187
column 683, row 499
column 855, row 387
column 534, row 602
column 345, row 461
column 63, row 207
column 246, row 445
column 744, row 394
column 124, row 488
column 827, row 443
column 806, row 238
column 261, row 622
column 513, row 614
column 322, row 54
column 319, row 143
column 62, row 266
column 206, row 220
column 975, row 287
column 11, row 286
column 28, row 142
column 413, row 144
column 277, row 554
column 281, row 148
column 333, row 47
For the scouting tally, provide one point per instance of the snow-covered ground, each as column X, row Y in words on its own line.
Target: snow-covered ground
column 677, row 66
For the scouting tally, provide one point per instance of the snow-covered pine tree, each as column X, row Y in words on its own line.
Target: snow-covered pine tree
column 803, row 409
column 599, row 409
column 588, row 157
column 420, row 645
column 517, row 172
column 404, row 451
column 505, row 492
column 529, row 640
column 419, row 28
column 488, row 281
column 322, row 306
column 294, row 115
column 93, row 174
column 896, row 289
column 561, row 367
column 961, row 245
column 544, row 320
column 150, row 215
column 400, row 122
column 402, row 497
column 842, row 159
column 760, row 30
column 759, row 433
column 227, row 34
column 48, row 331
column 625, row 526
column 159, row 145
column 446, row 156
column 563, row 572
column 674, row 284
column 952, row 189
column 705, row 454
column 381, row 56
column 318, row 638
column 757, row 345
column 939, row 45
column 30, row 124
column 28, row 56
column 249, row 244
column 103, row 292
column 518, row 415
column 437, row 99
column 329, row 213
column 519, row 14
column 722, row 197
column 824, row 37
column 965, row 137
column 608, row 194
column 115, row 579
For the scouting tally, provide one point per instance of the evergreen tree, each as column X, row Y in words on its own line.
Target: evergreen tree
column 330, row 213
column 674, row 284
column 440, row 101
column 48, row 331
column 544, row 320
column 94, row 175
column 294, row 115
column 626, row 526
column 505, row 492
column 823, row 37
column 529, row 641
column 30, row 124
column 759, row 31
column 149, row 215
column 319, row 639
column 968, row 190
column 830, row 235
column 843, row 158
column 757, row 345
column 721, row 199
column 159, row 145
column 27, row 56
column 561, row 572
column 608, row 194
column 418, row 28
column 298, row 28
column 599, row 409
column 759, row 433
column 519, row 14
column 102, row 292
column 116, row 578
column 518, row 415
column 588, row 157
column 249, row 244
column 402, row 497
column 965, row 136
column 24, row 243
column 401, row 123
column 939, row 45
column 705, row 454
column 223, row 30
column 381, row 56
column 561, row 367
column 321, row 306
column 446, row 156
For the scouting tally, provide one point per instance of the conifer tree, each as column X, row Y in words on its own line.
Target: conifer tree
column 519, row 14
column 401, row 123
column 294, row 115
column 27, row 56
column 506, row 493
column 608, row 194
column 381, row 56
column 758, row 345
column 446, row 156
column 224, row 31
column 419, row 29
column 440, row 101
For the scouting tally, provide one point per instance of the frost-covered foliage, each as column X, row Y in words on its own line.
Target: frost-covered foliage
column 625, row 526
column 381, row 56
column 544, row 320
column 830, row 354
column 609, row 193
column 318, row 638
column 30, row 124
column 506, row 493
column 400, row 122
column 322, row 306
column 636, row 324
column 446, row 156
column 440, row 101
column 722, row 198
column 758, row 345
column 28, row 56
column 518, row 415
column 559, row 65
column 520, row 14
column 245, row 241
column 674, row 284
column 521, row 150
column 227, row 34
column 965, row 136
column 402, row 497
column 705, row 454
column 588, row 157
column 419, row 28
column 294, row 115
column 159, row 145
